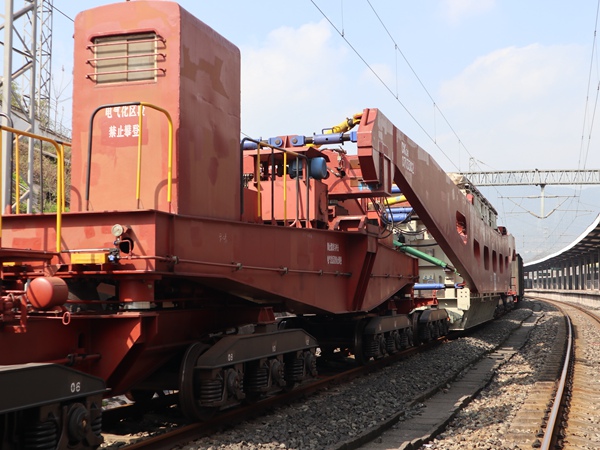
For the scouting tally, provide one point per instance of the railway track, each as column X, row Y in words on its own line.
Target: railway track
column 439, row 410
column 343, row 411
column 536, row 421
column 542, row 395
column 574, row 420
column 170, row 429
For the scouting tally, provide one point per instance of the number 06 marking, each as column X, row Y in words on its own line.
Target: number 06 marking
column 75, row 387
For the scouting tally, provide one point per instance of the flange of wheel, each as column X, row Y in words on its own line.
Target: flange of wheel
column 277, row 372
column 78, row 422
column 188, row 395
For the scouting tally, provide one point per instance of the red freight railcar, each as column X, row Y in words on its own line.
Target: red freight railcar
column 181, row 247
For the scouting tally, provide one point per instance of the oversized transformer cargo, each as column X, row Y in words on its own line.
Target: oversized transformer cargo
column 182, row 249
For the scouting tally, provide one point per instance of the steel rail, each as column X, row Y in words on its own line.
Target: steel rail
column 553, row 423
column 553, row 426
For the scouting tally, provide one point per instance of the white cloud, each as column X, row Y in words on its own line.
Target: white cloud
column 457, row 10
column 294, row 75
column 512, row 73
column 521, row 107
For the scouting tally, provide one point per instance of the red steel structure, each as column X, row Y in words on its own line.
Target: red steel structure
column 189, row 263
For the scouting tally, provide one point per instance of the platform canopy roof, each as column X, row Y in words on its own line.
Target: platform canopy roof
column 587, row 242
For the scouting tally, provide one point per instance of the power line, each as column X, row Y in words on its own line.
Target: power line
column 396, row 97
column 60, row 12
column 592, row 59
column 583, row 155
column 341, row 33
column 435, row 105
column 398, row 50
column 581, row 149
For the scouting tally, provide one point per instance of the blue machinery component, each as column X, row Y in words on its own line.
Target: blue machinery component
column 317, row 168
column 301, row 141
column 436, row 286
column 397, row 214
column 396, row 218
column 401, row 209
column 428, row 286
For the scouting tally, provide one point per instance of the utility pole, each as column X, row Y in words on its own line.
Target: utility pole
column 6, row 103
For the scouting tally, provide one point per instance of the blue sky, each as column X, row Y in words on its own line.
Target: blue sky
column 505, row 82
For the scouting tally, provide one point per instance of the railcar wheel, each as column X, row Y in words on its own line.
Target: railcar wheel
column 78, row 423
column 310, row 363
column 190, row 391
column 360, row 354
column 393, row 342
column 445, row 327
column 410, row 341
column 416, row 334
column 277, row 368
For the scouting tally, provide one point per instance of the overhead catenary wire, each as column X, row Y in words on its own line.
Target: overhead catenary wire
column 384, row 84
column 585, row 148
column 397, row 50
column 435, row 105
column 62, row 13
column 589, row 83
column 583, row 154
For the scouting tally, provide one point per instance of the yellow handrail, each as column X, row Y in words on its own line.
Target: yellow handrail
column 63, row 171
column 259, row 193
column 60, row 184
column 285, row 189
column 139, row 156
column 17, row 178
column 138, row 184
column 285, row 152
column 170, row 153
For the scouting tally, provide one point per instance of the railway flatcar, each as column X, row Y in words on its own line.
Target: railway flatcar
column 182, row 248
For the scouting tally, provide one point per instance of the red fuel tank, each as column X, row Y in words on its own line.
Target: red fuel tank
column 47, row 292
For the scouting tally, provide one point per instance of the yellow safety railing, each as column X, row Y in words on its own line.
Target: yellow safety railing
column 140, row 105
column 17, row 178
column 60, row 177
column 170, row 152
column 285, row 152
column 342, row 127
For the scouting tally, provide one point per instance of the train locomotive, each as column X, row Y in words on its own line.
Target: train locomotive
column 191, row 262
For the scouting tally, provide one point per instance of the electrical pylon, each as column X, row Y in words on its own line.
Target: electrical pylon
column 26, row 80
